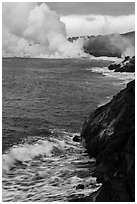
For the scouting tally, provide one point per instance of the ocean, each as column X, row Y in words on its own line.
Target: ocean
column 44, row 104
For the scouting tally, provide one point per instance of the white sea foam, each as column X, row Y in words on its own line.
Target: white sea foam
column 113, row 59
column 124, row 76
column 105, row 101
column 41, row 174
column 28, row 152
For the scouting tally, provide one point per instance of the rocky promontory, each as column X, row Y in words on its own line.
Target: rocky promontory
column 127, row 65
column 111, row 45
column 109, row 136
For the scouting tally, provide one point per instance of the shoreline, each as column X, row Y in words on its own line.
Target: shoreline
column 111, row 145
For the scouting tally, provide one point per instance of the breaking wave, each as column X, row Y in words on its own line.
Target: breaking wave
column 105, row 58
column 123, row 76
column 48, row 170
column 22, row 154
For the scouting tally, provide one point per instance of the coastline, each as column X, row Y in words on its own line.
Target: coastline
column 109, row 137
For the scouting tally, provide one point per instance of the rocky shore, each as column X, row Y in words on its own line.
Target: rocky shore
column 127, row 65
column 109, row 136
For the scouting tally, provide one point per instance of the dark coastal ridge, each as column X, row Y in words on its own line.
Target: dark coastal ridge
column 112, row 45
column 109, row 136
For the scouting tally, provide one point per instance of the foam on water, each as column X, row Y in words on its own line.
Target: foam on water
column 28, row 152
column 124, row 76
column 48, row 170
column 113, row 59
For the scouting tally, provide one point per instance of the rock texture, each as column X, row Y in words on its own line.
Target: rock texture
column 127, row 65
column 109, row 136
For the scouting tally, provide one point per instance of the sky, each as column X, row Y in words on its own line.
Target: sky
column 87, row 8
column 42, row 29
column 94, row 18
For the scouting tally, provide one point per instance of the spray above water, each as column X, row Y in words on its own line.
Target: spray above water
column 36, row 31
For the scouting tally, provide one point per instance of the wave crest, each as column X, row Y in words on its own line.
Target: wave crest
column 19, row 155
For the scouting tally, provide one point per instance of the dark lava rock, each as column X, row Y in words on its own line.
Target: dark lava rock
column 80, row 186
column 126, row 58
column 76, row 138
column 80, row 198
column 127, row 65
column 113, row 66
column 109, row 135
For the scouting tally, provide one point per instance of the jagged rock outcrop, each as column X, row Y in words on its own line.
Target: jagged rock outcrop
column 127, row 65
column 109, row 136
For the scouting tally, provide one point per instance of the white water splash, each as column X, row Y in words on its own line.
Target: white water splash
column 50, row 171
column 125, row 77
column 28, row 152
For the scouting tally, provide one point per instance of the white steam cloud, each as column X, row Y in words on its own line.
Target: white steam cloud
column 125, row 45
column 36, row 31
column 98, row 24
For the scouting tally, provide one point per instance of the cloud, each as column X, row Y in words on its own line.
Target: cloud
column 14, row 16
column 34, row 30
column 98, row 24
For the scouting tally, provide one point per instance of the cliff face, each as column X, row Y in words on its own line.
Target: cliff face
column 109, row 136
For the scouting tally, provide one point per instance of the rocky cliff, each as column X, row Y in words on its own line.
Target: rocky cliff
column 109, row 136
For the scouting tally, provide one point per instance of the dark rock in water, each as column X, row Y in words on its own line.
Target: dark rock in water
column 113, row 66
column 80, row 186
column 126, row 58
column 127, row 65
column 76, row 138
column 110, row 137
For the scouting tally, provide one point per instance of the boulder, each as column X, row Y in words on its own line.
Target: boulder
column 76, row 138
column 80, row 186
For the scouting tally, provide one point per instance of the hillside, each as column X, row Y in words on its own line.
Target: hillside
column 113, row 45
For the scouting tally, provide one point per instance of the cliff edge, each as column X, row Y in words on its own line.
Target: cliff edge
column 109, row 136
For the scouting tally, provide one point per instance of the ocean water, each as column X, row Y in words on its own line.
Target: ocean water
column 44, row 104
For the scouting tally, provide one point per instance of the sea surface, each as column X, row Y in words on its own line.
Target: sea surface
column 44, row 104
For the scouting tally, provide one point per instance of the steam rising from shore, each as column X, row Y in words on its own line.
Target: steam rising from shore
column 125, row 45
column 36, row 31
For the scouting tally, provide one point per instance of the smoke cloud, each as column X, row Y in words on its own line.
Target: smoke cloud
column 124, row 44
column 98, row 24
column 36, row 31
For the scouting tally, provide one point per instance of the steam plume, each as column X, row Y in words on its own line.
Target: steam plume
column 35, row 30
column 124, row 44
